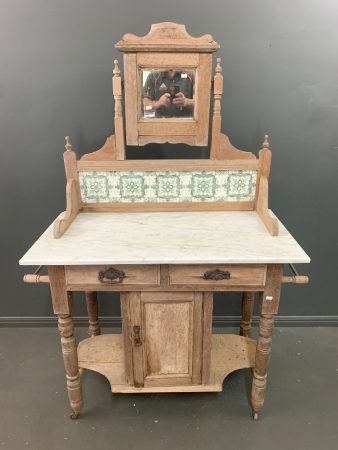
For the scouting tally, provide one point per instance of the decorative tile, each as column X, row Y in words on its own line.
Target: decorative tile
column 203, row 186
column 126, row 187
column 241, row 184
column 167, row 186
column 132, row 187
column 95, row 187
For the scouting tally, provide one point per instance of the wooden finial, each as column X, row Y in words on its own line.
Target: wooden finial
column 266, row 142
column 68, row 144
column 218, row 68
column 116, row 70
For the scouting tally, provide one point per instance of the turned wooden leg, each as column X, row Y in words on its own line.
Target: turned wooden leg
column 93, row 313
column 247, row 308
column 263, row 350
column 69, row 352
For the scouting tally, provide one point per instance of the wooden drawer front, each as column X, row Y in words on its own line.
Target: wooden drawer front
column 134, row 275
column 235, row 275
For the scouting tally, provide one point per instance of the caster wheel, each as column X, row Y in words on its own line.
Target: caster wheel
column 74, row 415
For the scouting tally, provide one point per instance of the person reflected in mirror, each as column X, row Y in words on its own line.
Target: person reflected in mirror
column 169, row 94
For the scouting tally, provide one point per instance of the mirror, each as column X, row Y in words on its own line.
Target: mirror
column 167, row 93
column 167, row 84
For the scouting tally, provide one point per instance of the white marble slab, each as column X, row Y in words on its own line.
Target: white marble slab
column 166, row 238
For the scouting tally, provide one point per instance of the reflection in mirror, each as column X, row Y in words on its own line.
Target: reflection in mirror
column 168, row 93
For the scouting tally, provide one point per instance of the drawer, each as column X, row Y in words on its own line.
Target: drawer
column 110, row 275
column 218, row 275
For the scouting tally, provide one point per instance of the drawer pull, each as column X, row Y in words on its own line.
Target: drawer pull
column 111, row 275
column 217, row 274
column 137, row 338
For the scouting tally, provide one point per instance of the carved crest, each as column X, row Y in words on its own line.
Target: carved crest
column 167, row 36
column 168, row 33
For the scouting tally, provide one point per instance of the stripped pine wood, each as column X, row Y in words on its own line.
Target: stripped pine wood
column 74, row 205
column 118, row 119
column 160, row 165
column 231, row 154
column 176, row 277
column 106, row 153
column 172, row 139
column 93, row 313
column 137, row 350
column 166, row 61
column 167, row 206
column 131, row 97
column 61, row 298
column 166, row 343
column 262, row 189
column 202, row 97
column 238, row 275
column 172, row 337
column 207, row 336
column 105, row 354
column 134, row 275
column 73, row 193
column 127, row 339
column 167, row 37
column 70, row 360
column 216, row 118
column 271, row 223
column 167, row 46
column 247, row 309
column 174, row 127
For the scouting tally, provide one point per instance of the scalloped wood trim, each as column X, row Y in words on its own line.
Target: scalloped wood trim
column 225, row 150
column 105, row 354
column 73, row 207
column 106, row 153
column 167, row 36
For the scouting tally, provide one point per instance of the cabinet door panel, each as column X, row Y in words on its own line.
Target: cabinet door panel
column 167, row 328
column 165, row 338
column 172, row 338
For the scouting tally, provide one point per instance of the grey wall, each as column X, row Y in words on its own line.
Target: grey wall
column 280, row 72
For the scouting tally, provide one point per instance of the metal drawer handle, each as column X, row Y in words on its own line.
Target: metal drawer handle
column 111, row 276
column 217, row 274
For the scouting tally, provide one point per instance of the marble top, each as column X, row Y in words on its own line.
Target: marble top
column 165, row 238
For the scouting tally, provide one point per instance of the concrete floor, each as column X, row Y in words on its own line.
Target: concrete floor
column 300, row 411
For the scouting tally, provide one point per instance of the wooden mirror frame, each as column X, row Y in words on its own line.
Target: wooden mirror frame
column 167, row 45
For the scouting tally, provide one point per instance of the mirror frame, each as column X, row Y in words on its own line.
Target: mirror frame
column 167, row 45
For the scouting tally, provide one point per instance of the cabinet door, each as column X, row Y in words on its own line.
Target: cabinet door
column 163, row 333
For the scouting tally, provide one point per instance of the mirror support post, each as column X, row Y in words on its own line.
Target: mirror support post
column 216, row 118
column 118, row 119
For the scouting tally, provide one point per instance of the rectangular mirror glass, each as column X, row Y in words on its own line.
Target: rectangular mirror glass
column 167, row 93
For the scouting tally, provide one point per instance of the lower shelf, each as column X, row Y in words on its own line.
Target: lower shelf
column 105, row 354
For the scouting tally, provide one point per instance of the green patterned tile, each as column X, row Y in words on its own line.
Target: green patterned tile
column 132, row 187
column 203, row 185
column 95, row 187
column 153, row 187
column 167, row 186
column 241, row 184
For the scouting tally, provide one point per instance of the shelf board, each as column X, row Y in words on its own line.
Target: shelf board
column 105, row 354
